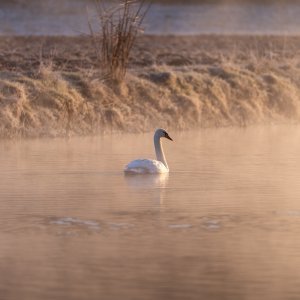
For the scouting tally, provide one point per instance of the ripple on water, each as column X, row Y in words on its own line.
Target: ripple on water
column 211, row 224
column 117, row 226
column 70, row 221
column 180, row 226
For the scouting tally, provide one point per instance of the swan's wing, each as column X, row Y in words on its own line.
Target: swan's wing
column 144, row 166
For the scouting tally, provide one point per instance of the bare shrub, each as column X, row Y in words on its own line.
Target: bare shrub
column 114, row 32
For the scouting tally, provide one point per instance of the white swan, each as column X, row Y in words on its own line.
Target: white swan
column 149, row 166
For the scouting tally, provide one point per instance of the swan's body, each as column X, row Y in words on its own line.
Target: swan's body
column 150, row 166
column 146, row 166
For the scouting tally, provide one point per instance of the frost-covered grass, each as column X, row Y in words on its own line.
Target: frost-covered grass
column 171, row 87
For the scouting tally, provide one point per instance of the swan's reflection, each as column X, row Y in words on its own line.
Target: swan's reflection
column 157, row 182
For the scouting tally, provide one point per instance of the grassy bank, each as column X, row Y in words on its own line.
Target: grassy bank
column 50, row 86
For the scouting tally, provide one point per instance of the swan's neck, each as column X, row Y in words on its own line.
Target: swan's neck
column 159, row 151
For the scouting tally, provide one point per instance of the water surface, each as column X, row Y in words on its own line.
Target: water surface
column 223, row 225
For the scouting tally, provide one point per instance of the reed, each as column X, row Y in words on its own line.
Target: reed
column 118, row 27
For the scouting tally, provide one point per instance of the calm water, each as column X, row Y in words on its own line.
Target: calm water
column 69, row 17
column 224, row 224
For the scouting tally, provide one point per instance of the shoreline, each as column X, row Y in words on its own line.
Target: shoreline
column 51, row 86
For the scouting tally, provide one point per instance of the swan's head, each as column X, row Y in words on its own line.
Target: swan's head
column 161, row 133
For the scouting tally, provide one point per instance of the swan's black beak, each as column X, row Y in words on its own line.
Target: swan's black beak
column 168, row 137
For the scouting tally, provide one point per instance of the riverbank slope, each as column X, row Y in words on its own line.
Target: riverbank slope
column 52, row 86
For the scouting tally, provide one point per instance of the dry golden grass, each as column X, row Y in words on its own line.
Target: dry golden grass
column 218, row 81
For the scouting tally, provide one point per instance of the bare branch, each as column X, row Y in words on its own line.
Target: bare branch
column 119, row 27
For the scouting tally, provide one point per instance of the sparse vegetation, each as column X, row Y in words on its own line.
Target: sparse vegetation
column 113, row 32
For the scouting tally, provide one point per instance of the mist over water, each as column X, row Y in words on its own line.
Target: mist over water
column 224, row 224
column 70, row 17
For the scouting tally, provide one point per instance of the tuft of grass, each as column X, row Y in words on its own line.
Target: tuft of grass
column 118, row 27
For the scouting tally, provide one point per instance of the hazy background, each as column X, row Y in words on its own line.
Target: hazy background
column 69, row 17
